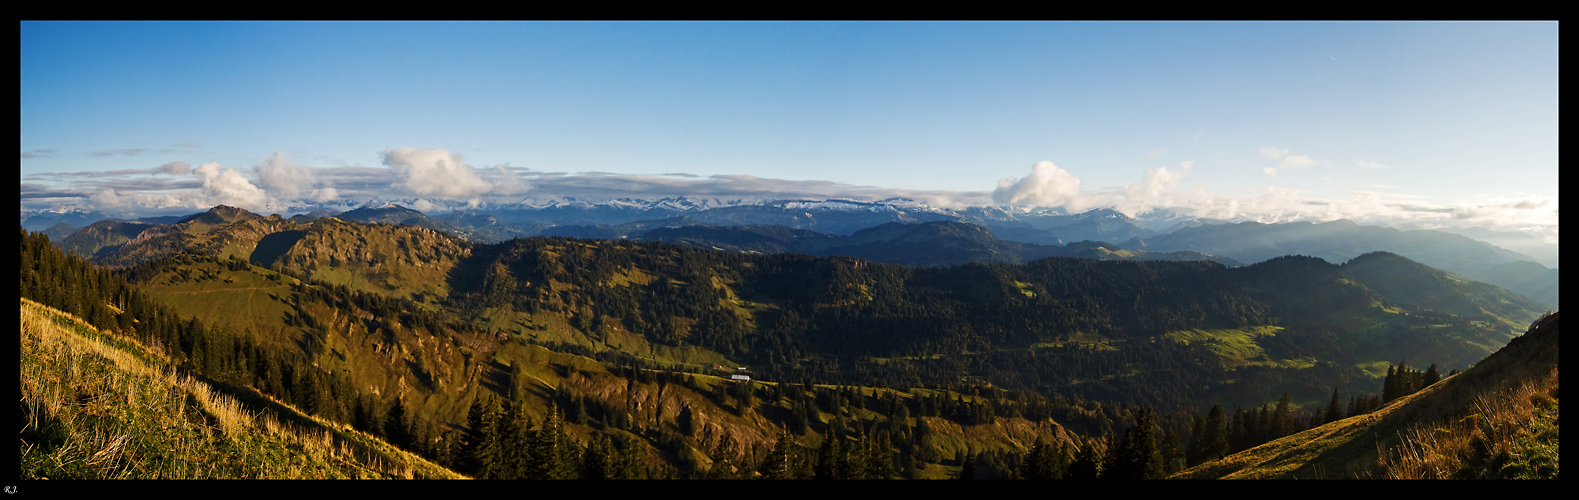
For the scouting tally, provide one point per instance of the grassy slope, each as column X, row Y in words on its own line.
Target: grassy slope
column 1462, row 404
column 384, row 359
column 97, row 406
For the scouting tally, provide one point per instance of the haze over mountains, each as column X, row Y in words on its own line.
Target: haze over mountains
column 825, row 228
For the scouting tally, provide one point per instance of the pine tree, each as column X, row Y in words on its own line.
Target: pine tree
column 550, row 453
column 473, row 449
column 1390, row 385
column 1172, row 452
column 828, row 457
column 1334, row 411
column 780, row 463
column 967, row 466
column 1431, row 376
column 1087, row 464
column 396, row 430
column 598, row 461
column 1137, row 456
column 1282, row 419
column 879, row 459
column 1038, row 463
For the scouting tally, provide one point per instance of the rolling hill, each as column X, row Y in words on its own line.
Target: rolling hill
column 1495, row 420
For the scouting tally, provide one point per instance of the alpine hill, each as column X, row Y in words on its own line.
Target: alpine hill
column 1497, row 420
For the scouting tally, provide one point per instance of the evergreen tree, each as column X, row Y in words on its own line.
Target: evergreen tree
column 479, row 430
column 829, row 456
column 1282, row 419
column 1390, row 385
column 967, row 466
column 1087, row 464
column 550, row 454
column 1334, row 411
column 1137, row 456
column 396, row 429
column 598, row 461
column 1038, row 463
column 1431, row 376
column 1172, row 452
column 780, row 463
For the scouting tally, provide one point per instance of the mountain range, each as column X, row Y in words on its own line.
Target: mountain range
column 1021, row 234
column 989, row 348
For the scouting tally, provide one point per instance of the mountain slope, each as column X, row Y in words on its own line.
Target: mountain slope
column 221, row 231
column 936, row 243
column 1526, row 278
column 103, row 237
column 97, row 406
column 1335, row 241
column 1522, row 373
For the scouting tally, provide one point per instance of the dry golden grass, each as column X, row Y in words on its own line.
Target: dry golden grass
column 93, row 410
column 1511, row 434
column 1496, row 420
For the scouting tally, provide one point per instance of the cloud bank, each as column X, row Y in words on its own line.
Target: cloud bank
column 437, row 179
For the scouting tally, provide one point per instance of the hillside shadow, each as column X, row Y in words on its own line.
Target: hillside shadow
column 272, row 246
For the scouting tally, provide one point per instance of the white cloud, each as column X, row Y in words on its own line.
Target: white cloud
column 326, row 194
column 1273, row 153
column 225, row 186
column 1269, row 171
column 1047, row 186
column 422, row 205
column 175, row 168
column 436, row 172
column 284, row 177
column 507, row 183
column 106, row 198
column 1295, row 161
column 1372, row 164
column 1286, row 160
column 1156, row 188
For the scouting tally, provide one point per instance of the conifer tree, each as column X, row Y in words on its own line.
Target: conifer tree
column 1172, row 452
column 479, row 421
column 879, row 459
column 1137, row 456
column 598, row 461
column 1041, row 462
column 396, row 430
column 967, row 466
column 550, row 454
column 1334, row 411
column 1282, row 419
column 1390, row 384
column 780, row 463
column 1087, row 464
column 828, row 457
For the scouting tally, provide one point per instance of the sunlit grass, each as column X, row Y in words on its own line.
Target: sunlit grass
column 96, row 410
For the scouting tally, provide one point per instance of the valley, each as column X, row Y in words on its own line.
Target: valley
column 635, row 342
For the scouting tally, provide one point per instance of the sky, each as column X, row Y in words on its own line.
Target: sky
column 1417, row 124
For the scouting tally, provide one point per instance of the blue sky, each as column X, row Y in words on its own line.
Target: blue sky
column 1269, row 121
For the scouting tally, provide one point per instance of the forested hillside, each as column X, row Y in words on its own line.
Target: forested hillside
column 625, row 349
